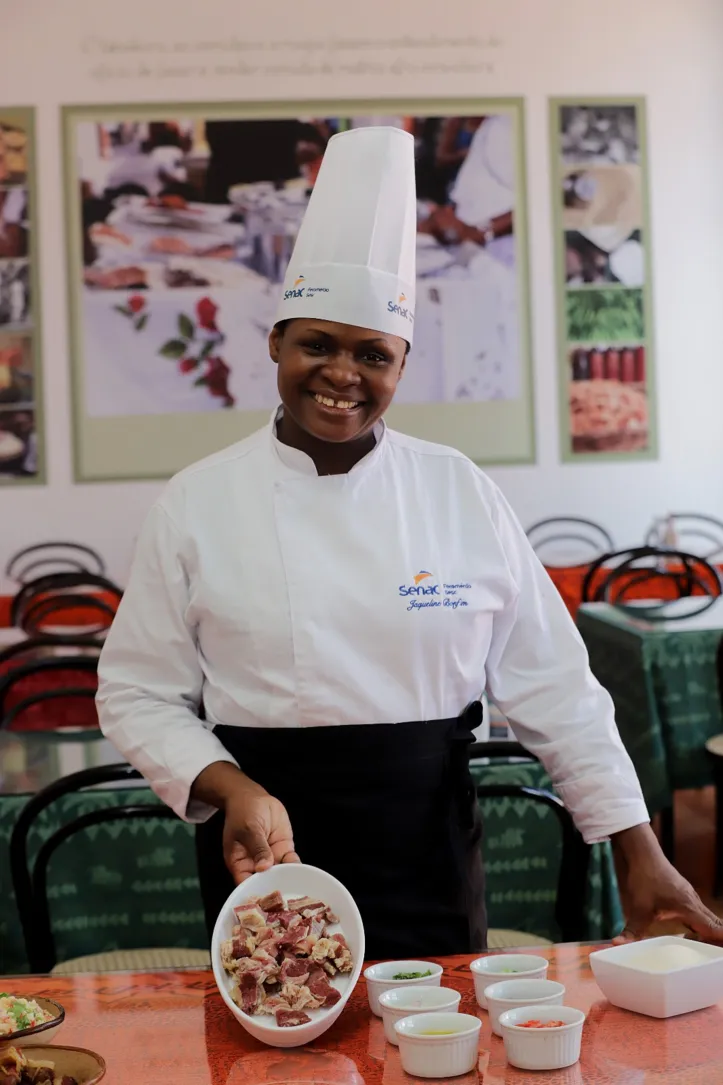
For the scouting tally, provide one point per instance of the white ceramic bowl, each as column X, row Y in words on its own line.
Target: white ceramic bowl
column 380, row 978
column 632, row 986
column 293, row 880
column 498, row 967
column 37, row 1034
column 454, row 1050
column 408, row 1001
column 512, row 993
column 542, row 1048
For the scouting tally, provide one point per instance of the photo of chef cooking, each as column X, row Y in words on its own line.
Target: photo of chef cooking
column 187, row 228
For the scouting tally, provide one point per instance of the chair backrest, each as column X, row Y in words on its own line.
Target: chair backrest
column 48, row 647
column 501, row 749
column 651, row 572
column 102, row 833
column 56, row 585
column 45, row 612
column 41, row 948
column 31, row 693
column 572, row 881
column 568, row 542
column 695, row 532
column 55, row 557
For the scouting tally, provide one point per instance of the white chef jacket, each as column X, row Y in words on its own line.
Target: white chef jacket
column 396, row 592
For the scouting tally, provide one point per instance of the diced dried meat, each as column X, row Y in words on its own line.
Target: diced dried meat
column 318, row 926
column 321, row 989
column 294, row 935
column 299, row 996
column 324, row 948
column 273, row 902
column 253, row 919
column 242, row 945
column 296, row 969
column 289, row 1018
column 272, row 1003
column 305, row 946
column 250, row 993
column 286, row 918
column 298, row 904
column 282, row 955
column 342, row 957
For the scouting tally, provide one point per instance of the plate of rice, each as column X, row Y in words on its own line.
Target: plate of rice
column 21, row 1017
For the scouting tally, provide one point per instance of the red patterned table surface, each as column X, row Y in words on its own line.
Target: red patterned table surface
column 160, row 1027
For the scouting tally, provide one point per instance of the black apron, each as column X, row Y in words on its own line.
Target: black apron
column 388, row 809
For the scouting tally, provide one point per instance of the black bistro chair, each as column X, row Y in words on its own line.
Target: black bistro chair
column 30, row 875
column 619, row 577
column 572, row 878
column 53, row 557
column 694, row 531
column 33, row 649
column 568, row 542
column 49, row 693
column 46, row 597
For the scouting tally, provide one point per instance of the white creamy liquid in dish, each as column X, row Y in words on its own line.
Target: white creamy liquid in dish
column 667, row 958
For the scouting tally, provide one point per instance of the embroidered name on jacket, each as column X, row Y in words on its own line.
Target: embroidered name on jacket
column 425, row 592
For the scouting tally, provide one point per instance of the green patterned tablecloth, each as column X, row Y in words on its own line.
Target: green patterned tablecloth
column 121, row 885
column 522, row 848
column 133, row 884
column 663, row 680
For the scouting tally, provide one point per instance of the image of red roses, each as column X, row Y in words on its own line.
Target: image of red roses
column 135, row 310
column 197, row 350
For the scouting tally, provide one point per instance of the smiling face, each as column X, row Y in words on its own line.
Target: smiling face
column 335, row 380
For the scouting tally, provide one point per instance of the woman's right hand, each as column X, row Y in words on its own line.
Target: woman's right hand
column 256, row 833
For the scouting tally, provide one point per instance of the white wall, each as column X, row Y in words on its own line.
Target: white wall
column 668, row 50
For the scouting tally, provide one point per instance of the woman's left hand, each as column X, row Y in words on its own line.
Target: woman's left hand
column 652, row 890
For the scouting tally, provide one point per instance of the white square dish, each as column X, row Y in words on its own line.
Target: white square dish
column 629, row 977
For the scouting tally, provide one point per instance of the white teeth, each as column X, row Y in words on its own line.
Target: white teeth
column 340, row 404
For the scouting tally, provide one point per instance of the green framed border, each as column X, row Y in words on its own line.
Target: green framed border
column 557, row 171
column 24, row 116
column 501, row 420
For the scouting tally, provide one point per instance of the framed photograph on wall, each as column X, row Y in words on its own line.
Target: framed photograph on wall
column 182, row 220
column 21, row 410
column 603, row 279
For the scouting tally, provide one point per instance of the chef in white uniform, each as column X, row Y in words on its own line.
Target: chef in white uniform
column 332, row 597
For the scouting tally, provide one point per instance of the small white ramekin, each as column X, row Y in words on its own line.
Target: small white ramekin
column 453, row 1051
column 380, row 977
column 542, row 1049
column 494, row 969
column 512, row 993
column 408, row 1001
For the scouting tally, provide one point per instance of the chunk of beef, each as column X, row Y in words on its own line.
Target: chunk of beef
column 296, row 969
column 250, row 993
column 273, row 902
column 299, row 996
column 252, row 919
column 289, row 1018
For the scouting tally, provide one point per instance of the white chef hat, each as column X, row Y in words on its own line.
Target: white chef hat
column 354, row 258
